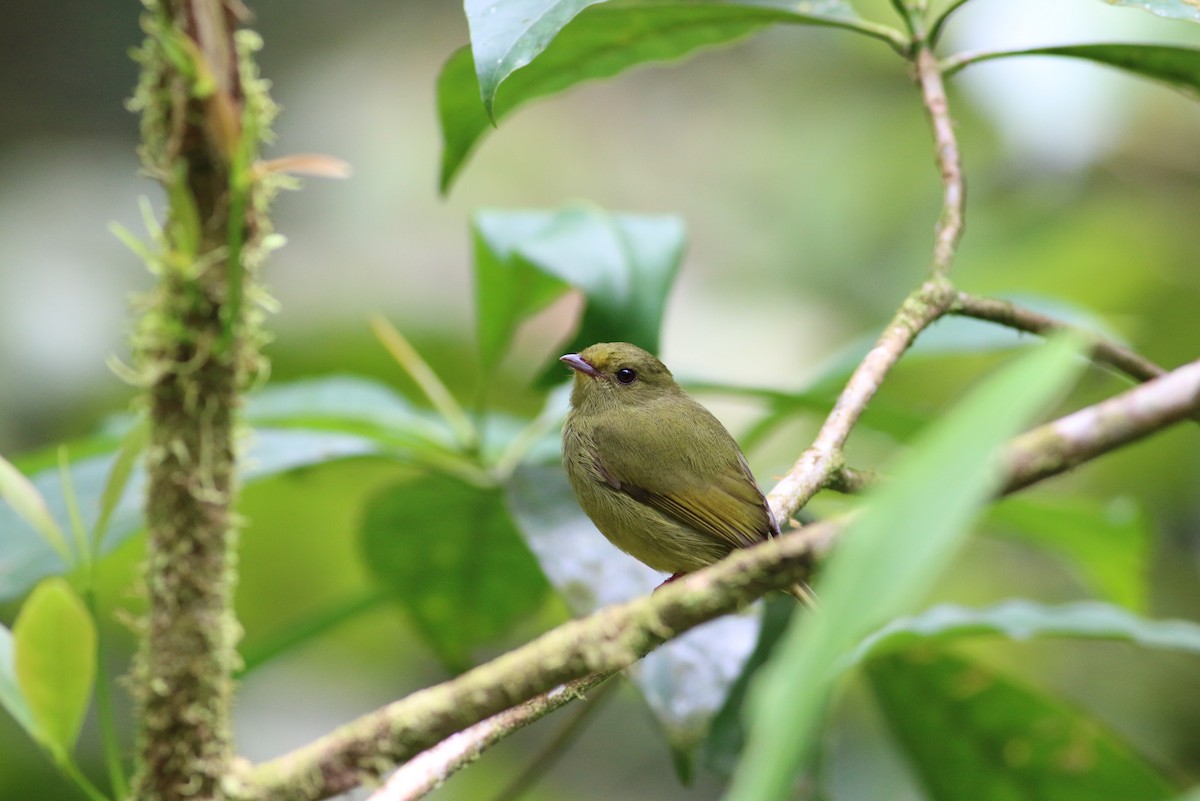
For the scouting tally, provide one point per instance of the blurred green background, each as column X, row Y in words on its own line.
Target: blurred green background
column 801, row 164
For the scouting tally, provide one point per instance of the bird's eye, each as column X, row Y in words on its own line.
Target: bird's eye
column 626, row 375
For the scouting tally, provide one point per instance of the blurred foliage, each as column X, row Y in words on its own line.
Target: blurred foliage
column 800, row 163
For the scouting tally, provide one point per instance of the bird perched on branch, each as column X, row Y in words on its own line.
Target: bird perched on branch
column 656, row 472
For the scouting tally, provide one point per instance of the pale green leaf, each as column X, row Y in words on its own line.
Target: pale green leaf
column 54, row 640
column 897, row 547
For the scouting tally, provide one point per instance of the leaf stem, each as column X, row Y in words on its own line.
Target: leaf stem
column 420, row 371
column 935, row 33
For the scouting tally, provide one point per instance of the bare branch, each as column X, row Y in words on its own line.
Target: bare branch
column 1013, row 316
column 1067, row 442
column 815, row 467
column 954, row 189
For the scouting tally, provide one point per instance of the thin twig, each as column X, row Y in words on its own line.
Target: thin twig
column 562, row 740
column 425, row 772
column 822, row 459
column 1008, row 314
column 954, row 189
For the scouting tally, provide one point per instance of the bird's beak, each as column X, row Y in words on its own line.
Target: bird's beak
column 579, row 364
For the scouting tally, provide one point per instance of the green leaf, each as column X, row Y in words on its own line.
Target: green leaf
column 897, row 547
column 1178, row 67
column 296, row 425
column 27, row 503
column 55, row 653
column 1172, row 9
column 971, row 733
column 533, row 51
column 687, row 680
column 508, row 34
column 1108, row 543
column 1024, row 620
column 727, row 735
column 449, row 553
column 623, row 263
column 11, row 697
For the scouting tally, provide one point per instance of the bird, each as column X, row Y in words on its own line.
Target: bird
column 657, row 473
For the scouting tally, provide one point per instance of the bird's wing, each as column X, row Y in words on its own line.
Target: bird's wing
column 729, row 507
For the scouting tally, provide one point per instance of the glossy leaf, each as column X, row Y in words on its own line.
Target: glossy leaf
column 54, row 640
column 896, row 547
column 508, row 34
column 687, row 680
column 972, row 733
column 1024, row 620
column 449, row 553
column 1172, row 9
column 623, row 264
column 1178, row 67
column 1108, row 543
column 11, row 697
column 532, row 56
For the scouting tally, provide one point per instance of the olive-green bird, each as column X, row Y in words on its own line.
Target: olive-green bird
column 656, row 472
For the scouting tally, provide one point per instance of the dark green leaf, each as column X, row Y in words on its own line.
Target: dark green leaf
column 622, row 263
column 896, row 547
column 1108, row 543
column 54, row 640
column 686, row 681
column 449, row 553
column 1178, row 67
column 1024, row 620
column 971, row 733
column 543, row 55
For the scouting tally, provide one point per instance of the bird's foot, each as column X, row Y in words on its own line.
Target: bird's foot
column 669, row 580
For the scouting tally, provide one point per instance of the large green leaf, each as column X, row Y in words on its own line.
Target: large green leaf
column 1108, row 543
column 296, row 425
column 623, row 264
column 973, row 734
column 1178, row 67
column 1023, row 620
column 450, row 554
column 889, row 556
column 532, row 51
column 686, row 681
column 54, row 640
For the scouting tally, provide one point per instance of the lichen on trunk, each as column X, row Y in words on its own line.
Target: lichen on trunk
column 196, row 347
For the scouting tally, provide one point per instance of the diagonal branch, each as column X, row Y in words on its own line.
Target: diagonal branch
column 1069, row 441
column 1009, row 314
column 609, row 640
